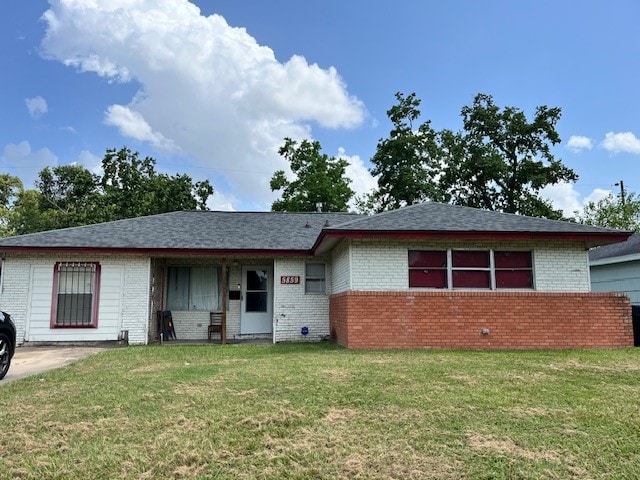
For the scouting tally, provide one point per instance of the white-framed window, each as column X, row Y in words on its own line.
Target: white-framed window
column 315, row 280
column 75, row 295
column 471, row 269
column 196, row 288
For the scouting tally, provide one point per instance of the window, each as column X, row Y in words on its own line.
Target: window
column 194, row 288
column 75, row 294
column 513, row 269
column 470, row 269
column 483, row 269
column 315, row 278
column 428, row 269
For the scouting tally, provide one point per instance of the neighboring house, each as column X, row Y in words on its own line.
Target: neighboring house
column 428, row 275
column 616, row 268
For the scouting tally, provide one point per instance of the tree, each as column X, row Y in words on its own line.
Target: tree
column 10, row 188
column 613, row 212
column 319, row 179
column 406, row 162
column 70, row 195
column 132, row 187
column 500, row 161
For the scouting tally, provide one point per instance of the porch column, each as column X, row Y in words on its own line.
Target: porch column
column 225, row 294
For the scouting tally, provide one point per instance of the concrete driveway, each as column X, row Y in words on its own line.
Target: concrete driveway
column 31, row 360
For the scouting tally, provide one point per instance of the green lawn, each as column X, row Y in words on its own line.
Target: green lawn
column 317, row 411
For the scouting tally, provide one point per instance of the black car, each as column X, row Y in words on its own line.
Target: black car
column 7, row 342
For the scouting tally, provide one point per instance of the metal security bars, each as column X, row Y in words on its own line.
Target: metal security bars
column 75, row 294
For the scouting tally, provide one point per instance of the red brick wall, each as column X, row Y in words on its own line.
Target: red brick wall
column 456, row 319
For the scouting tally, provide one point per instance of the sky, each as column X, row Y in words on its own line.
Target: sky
column 211, row 88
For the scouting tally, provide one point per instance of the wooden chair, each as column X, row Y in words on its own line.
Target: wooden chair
column 217, row 325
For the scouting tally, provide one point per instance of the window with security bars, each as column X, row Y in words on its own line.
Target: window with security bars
column 75, row 294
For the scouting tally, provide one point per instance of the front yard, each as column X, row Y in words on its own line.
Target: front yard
column 317, row 411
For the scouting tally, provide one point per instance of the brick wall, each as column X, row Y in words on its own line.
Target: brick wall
column 456, row 320
column 381, row 264
column 294, row 309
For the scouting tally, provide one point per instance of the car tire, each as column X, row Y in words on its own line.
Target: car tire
column 5, row 355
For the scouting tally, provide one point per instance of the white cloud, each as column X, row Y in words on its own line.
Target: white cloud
column 21, row 161
column 621, row 142
column 131, row 124
column 563, row 197
column 596, row 195
column 577, row 143
column 206, row 87
column 361, row 180
column 37, row 106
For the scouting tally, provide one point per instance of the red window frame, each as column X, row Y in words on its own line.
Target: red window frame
column 428, row 269
column 513, row 269
column 95, row 293
column 471, row 269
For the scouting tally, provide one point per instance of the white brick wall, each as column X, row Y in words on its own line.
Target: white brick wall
column 382, row 264
column 27, row 295
column 293, row 309
column 341, row 271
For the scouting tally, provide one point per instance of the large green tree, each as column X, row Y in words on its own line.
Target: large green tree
column 405, row 163
column 318, row 179
column 70, row 195
column 132, row 187
column 498, row 161
column 613, row 212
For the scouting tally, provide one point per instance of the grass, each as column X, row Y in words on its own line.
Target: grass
column 317, row 411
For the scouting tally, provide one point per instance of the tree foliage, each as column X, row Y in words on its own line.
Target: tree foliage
column 10, row 188
column 70, row 195
column 498, row 161
column 318, row 179
column 405, row 163
column 613, row 212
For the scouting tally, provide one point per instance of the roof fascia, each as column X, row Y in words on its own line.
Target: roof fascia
column 595, row 238
column 619, row 259
column 156, row 251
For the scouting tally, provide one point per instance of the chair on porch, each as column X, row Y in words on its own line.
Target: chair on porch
column 217, row 325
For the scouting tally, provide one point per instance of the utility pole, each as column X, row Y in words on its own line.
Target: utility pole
column 621, row 184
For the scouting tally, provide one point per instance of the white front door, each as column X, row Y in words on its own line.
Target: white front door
column 257, row 298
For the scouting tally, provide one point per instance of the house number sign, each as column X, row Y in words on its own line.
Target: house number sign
column 290, row 279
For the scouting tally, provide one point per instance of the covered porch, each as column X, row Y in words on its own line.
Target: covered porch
column 211, row 299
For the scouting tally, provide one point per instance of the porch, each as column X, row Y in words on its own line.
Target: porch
column 192, row 291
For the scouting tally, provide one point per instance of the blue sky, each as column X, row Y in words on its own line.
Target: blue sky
column 212, row 87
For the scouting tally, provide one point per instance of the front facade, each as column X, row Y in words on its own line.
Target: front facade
column 429, row 275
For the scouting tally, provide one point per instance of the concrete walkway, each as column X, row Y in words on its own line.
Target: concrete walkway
column 31, row 360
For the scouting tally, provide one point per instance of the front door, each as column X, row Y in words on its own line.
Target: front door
column 257, row 293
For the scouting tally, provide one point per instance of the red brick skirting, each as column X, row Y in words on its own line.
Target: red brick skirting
column 480, row 320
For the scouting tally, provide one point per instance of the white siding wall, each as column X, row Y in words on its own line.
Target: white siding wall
column 341, row 267
column 293, row 309
column 124, row 286
column 382, row 264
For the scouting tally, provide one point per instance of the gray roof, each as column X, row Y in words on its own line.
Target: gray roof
column 630, row 247
column 431, row 216
column 281, row 231
column 192, row 230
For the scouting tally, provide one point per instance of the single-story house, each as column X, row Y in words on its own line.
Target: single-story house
column 427, row 275
column 616, row 268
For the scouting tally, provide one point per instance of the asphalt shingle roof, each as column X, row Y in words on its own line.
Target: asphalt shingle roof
column 194, row 229
column 210, row 230
column 431, row 216
column 630, row 247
